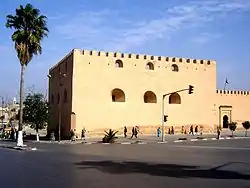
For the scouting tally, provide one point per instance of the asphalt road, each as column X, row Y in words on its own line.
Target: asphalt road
column 223, row 163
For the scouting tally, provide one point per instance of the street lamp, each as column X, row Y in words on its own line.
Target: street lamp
column 62, row 75
column 164, row 117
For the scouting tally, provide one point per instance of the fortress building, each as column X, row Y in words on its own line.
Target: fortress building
column 101, row 90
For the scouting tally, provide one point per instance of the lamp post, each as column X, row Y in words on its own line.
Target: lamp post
column 190, row 91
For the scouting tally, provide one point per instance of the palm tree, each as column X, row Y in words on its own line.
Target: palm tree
column 30, row 28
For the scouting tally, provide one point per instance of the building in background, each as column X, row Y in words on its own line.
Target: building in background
column 101, row 90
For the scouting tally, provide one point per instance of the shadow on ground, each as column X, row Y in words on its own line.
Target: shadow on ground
column 169, row 170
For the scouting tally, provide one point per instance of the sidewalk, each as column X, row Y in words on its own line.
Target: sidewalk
column 150, row 138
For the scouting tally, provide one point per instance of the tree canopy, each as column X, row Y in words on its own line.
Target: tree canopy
column 35, row 110
column 30, row 28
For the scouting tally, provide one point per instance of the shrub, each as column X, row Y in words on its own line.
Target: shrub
column 110, row 136
column 232, row 126
column 246, row 125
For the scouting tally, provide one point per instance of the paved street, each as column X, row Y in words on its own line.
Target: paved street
column 211, row 163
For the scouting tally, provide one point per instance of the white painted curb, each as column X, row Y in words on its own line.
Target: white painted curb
column 176, row 141
column 193, row 140
column 162, row 142
column 126, row 143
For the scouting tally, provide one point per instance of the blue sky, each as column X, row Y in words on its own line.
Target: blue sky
column 203, row 29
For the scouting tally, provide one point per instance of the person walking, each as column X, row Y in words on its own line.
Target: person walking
column 196, row 130
column 191, row 130
column 158, row 132
column 218, row 132
column 125, row 132
column 83, row 135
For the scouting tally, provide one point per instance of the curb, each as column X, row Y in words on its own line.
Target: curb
column 20, row 148
column 143, row 142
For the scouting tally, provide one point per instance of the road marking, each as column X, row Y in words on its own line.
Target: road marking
column 214, row 138
column 178, row 141
column 204, row 139
column 211, row 147
column 228, row 138
column 193, row 140
column 162, row 142
column 142, row 142
column 126, row 143
column 221, row 138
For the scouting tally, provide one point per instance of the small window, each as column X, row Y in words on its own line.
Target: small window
column 208, row 62
column 150, row 97
column 118, row 63
column 175, row 68
column 52, row 99
column 180, row 60
column 174, row 98
column 159, row 58
column 58, row 98
column 65, row 96
column 118, row 95
column 173, row 59
column 150, row 66
column 137, row 56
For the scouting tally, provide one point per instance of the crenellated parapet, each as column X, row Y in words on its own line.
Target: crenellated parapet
column 231, row 92
column 147, row 57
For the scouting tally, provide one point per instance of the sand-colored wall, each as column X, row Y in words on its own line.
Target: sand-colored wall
column 95, row 76
column 240, row 102
column 92, row 75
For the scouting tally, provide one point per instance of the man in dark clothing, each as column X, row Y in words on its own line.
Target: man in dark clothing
column 134, row 132
column 125, row 132
column 191, row 130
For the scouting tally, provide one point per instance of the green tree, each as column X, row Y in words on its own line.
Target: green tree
column 232, row 127
column 29, row 29
column 246, row 125
column 35, row 111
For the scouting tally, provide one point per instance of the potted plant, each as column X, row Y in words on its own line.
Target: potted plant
column 232, row 127
column 110, row 136
column 246, row 125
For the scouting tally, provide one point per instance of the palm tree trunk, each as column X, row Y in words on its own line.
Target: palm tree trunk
column 246, row 133
column 20, row 126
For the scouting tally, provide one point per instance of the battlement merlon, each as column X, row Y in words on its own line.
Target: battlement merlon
column 146, row 57
column 232, row 92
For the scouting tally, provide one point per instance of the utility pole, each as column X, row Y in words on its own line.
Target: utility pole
column 164, row 117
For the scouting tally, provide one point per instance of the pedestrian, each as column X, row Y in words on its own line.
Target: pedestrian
column 158, row 132
column 218, row 132
column 191, row 130
column 83, row 134
column 196, row 130
column 136, row 131
column 133, row 132
column 73, row 135
column 172, row 130
column 125, row 132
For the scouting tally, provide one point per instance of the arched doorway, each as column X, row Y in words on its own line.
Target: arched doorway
column 225, row 121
